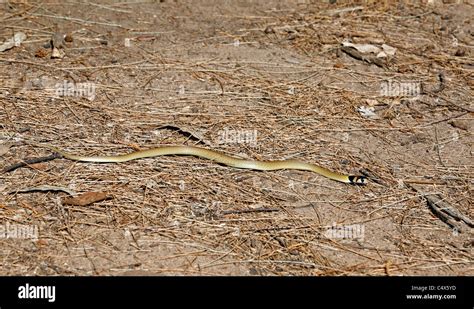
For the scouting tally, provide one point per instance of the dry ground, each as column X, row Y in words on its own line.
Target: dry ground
column 184, row 72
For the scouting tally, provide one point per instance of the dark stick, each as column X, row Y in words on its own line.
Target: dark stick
column 445, row 212
column 30, row 161
column 228, row 212
column 354, row 53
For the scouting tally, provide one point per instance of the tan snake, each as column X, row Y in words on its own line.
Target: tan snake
column 217, row 157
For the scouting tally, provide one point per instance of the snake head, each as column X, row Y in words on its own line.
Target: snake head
column 358, row 180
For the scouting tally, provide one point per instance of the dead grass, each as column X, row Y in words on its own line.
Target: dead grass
column 212, row 69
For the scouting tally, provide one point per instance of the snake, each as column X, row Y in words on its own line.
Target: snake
column 289, row 164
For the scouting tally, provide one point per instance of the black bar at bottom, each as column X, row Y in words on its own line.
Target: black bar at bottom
column 415, row 292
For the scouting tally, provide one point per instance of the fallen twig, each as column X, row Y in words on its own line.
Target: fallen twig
column 192, row 134
column 44, row 188
column 360, row 56
column 445, row 212
column 228, row 212
column 30, row 161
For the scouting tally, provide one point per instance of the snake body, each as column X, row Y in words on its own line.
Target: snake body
column 217, row 157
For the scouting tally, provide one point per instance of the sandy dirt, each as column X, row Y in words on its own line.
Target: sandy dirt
column 264, row 80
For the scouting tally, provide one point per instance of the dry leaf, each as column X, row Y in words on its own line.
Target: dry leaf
column 86, row 198
column 68, row 38
column 372, row 102
column 41, row 53
column 367, row 111
column 4, row 148
column 12, row 42
column 40, row 243
column 39, row 166
column 389, row 50
column 57, row 53
column 363, row 48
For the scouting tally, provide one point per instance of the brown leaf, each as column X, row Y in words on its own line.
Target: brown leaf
column 41, row 53
column 86, row 198
column 68, row 38
column 40, row 243
column 39, row 166
column 4, row 148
